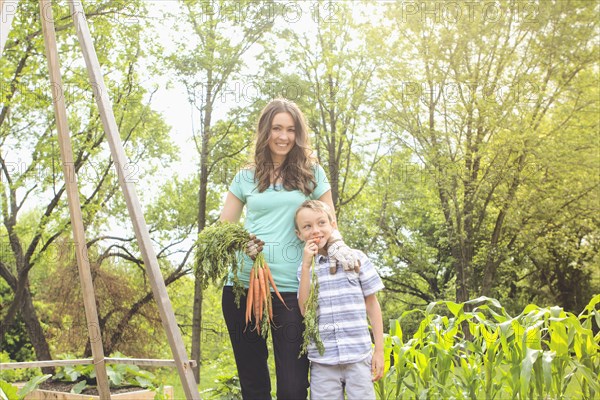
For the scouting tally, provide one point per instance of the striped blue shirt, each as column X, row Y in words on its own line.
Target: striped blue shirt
column 342, row 313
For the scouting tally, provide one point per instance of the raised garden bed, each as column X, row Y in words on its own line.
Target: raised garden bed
column 60, row 391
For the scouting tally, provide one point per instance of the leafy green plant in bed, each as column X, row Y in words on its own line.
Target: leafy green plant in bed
column 12, row 392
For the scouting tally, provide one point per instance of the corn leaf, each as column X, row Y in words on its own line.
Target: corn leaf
column 531, row 357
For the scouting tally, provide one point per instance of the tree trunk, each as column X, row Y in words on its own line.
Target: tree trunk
column 23, row 303
column 13, row 309
column 334, row 168
column 34, row 330
column 197, row 329
column 462, row 274
column 493, row 259
column 202, row 194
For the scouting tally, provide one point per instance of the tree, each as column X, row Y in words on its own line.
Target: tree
column 554, row 259
column 219, row 33
column 478, row 100
column 336, row 66
column 30, row 178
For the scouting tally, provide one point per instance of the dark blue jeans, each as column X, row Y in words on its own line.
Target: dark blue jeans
column 250, row 349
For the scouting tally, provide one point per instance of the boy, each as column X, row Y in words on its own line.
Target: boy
column 345, row 300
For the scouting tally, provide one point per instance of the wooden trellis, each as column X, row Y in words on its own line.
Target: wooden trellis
column 181, row 361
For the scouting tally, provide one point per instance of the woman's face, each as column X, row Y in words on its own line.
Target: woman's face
column 283, row 136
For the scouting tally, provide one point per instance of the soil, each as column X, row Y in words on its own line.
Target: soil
column 59, row 386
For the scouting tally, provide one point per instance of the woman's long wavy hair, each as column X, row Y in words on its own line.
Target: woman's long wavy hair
column 296, row 172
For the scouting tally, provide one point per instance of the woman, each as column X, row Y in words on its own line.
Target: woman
column 283, row 176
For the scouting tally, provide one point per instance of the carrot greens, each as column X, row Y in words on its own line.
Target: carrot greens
column 311, row 320
column 218, row 253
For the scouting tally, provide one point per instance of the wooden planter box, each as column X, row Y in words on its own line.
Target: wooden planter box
column 142, row 394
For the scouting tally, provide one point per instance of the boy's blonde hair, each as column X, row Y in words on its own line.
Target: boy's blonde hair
column 315, row 205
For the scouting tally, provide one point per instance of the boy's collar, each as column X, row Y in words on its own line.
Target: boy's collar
column 321, row 259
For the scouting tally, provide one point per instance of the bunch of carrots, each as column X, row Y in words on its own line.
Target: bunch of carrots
column 259, row 303
column 218, row 251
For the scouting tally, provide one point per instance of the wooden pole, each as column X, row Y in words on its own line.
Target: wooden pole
column 7, row 13
column 145, row 362
column 66, row 153
column 133, row 205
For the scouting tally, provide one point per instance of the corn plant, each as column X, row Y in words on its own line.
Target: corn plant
column 543, row 353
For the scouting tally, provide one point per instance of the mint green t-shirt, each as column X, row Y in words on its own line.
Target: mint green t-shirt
column 270, row 216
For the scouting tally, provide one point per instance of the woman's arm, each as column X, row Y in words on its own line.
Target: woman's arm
column 338, row 251
column 232, row 209
column 231, row 212
column 328, row 199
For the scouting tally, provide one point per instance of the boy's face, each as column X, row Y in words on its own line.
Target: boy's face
column 314, row 224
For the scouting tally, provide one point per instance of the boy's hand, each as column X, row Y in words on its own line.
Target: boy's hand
column 311, row 248
column 377, row 366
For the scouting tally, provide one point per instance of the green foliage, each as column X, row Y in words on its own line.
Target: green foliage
column 35, row 217
column 15, row 344
column 18, row 374
column 218, row 252
column 125, row 374
column 311, row 322
column 119, row 375
column 32, row 385
column 11, row 392
column 227, row 387
column 500, row 169
column 486, row 353
column 334, row 82
column 79, row 387
column 489, row 184
column 7, row 391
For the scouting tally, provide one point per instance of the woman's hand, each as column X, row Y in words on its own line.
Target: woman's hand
column 340, row 253
column 254, row 246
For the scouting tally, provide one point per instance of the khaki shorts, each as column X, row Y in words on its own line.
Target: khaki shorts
column 327, row 382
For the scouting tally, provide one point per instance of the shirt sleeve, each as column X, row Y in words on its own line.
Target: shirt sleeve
column 241, row 180
column 299, row 272
column 323, row 185
column 369, row 278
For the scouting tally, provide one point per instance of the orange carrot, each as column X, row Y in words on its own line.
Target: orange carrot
column 261, row 282
column 269, row 312
column 270, row 276
column 249, row 299
column 266, row 280
column 261, row 302
column 256, row 299
column 270, row 301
